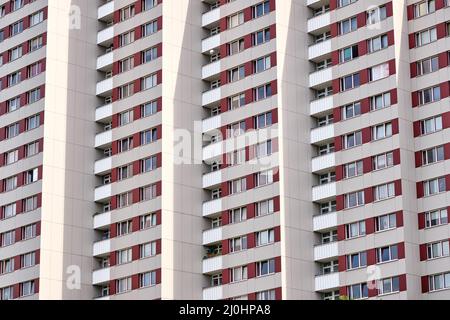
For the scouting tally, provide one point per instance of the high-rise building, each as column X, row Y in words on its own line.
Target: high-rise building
column 230, row 149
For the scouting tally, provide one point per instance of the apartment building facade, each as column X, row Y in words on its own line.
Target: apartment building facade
column 224, row 150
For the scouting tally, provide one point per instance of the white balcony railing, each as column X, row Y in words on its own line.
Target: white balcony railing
column 319, row 22
column 212, row 179
column 213, row 293
column 211, row 43
column 327, row 282
column 325, row 221
column 212, row 151
column 105, row 35
column 211, row 96
column 103, row 112
column 212, row 264
column 211, row 69
column 212, row 236
column 321, row 105
column 320, row 77
column 105, row 10
column 104, row 86
column 103, row 165
column 323, row 192
column 103, row 138
column 322, row 133
column 323, row 162
column 326, row 251
column 102, row 248
column 102, row 220
column 103, row 192
column 212, row 123
column 211, row 207
column 101, row 276
column 319, row 49
column 210, row 17
column 105, row 60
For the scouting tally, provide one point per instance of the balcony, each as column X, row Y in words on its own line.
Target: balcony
column 103, row 112
column 103, row 192
column 211, row 124
column 212, row 179
column 103, row 138
column 210, row 17
column 325, row 222
column 311, row 2
column 213, row 293
column 211, row 69
column 319, row 22
column 101, row 276
column 210, row 43
column 324, row 192
column 103, row 165
column 212, row 236
column 105, row 10
column 322, row 134
column 105, row 36
column 319, row 49
column 211, row 96
column 105, row 60
column 212, row 264
column 102, row 220
column 102, row 248
column 327, row 282
column 320, row 77
column 322, row 163
column 321, row 105
column 104, row 86
column 212, row 207
column 326, row 251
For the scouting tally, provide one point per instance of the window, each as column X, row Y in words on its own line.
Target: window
column 439, row 281
column 34, row 69
column 34, row 95
column 262, row 64
column 7, row 266
column 436, row 218
column 347, row 25
column 13, row 104
column 428, row 65
column 36, row 43
column 126, row 90
column 31, row 176
column 353, row 139
column 379, row 72
column 27, row 288
column 29, row 232
column 328, row 207
column 236, row 129
column 263, row 92
column 350, row 82
column 424, row 8
column 14, row 78
column 30, row 204
column 9, row 210
column 263, row 149
column 147, row 279
column 429, row 95
column 355, row 230
column 348, row 53
column 149, row 28
column 33, row 122
column 438, row 249
column 357, row 260
column 147, row 250
column 126, row 64
column 149, row 82
column 383, row 161
column 380, row 101
column 123, row 285
column 434, row 186
column 351, row 110
column 382, row 131
column 12, row 130
column 36, row 18
column 7, row 293
column 266, row 267
column 127, row 13
column 431, row 125
column 124, row 199
column 264, row 208
column 353, row 169
column 358, row 291
column 235, row 20
column 148, row 221
column 425, row 37
column 124, row 256
column 238, row 215
column 329, row 237
column 261, row 37
column 265, row 237
column 11, row 157
column 149, row 164
column 238, row 244
column 27, row 260
column 236, row 47
column 236, row 74
column 384, row 191
column 378, row 43
column 16, row 4
column 354, row 199
column 124, row 228
column 149, row 109
column 150, row 55
column 264, row 178
column 433, row 155
column 343, row 3
column 8, row 238
column 389, row 285
column 125, row 144
column 261, row 9
column 238, row 274
column 10, row 184
column 266, row 295
column 148, row 4
column 126, row 38
column 387, row 254
column 148, row 193
column 15, row 53
column 16, row 28
column 376, row 15
column 386, row 222
column 32, row 149
column 238, row 186
column 236, row 157
column 263, row 120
